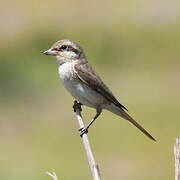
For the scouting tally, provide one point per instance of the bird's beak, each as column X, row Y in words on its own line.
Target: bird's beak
column 50, row 52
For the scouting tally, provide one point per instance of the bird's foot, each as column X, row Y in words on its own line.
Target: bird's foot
column 83, row 130
column 77, row 106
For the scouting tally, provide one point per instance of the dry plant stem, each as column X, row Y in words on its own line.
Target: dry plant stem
column 93, row 166
column 177, row 158
column 53, row 175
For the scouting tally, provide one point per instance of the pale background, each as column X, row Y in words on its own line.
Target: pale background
column 134, row 45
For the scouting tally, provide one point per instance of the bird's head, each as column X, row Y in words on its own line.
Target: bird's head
column 66, row 51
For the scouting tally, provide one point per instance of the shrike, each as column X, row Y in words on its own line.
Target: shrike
column 84, row 84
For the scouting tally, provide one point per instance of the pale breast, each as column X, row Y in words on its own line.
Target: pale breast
column 66, row 71
column 78, row 89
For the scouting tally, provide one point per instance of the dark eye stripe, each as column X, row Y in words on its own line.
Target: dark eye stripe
column 64, row 47
column 68, row 48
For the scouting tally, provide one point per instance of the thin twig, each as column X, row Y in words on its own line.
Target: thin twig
column 93, row 166
column 53, row 175
column 177, row 158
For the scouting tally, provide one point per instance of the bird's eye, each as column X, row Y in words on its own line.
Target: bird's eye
column 64, row 47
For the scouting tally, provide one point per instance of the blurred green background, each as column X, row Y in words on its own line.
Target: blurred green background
column 133, row 45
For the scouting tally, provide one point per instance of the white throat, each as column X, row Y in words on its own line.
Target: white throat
column 66, row 71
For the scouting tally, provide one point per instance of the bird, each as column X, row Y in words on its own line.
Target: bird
column 85, row 85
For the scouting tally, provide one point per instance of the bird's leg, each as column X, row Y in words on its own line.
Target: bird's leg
column 77, row 106
column 84, row 130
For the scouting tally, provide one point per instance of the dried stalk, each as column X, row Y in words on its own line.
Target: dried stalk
column 177, row 158
column 53, row 175
column 93, row 166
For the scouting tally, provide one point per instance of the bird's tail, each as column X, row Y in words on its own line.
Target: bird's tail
column 126, row 116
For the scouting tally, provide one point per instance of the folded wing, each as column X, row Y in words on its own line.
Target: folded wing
column 90, row 77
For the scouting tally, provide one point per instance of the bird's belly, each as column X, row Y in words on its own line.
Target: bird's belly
column 83, row 93
column 78, row 89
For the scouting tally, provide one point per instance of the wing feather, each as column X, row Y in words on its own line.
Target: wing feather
column 85, row 72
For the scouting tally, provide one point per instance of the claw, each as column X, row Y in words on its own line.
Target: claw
column 83, row 131
column 80, row 129
column 77, row 106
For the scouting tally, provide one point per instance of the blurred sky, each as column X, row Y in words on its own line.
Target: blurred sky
column 133, row 45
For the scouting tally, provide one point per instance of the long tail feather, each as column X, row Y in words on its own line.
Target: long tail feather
column 129, row 118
